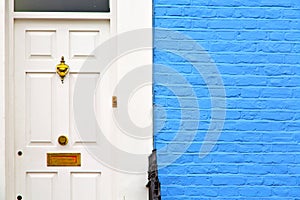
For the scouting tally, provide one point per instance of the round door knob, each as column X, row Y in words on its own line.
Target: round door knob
column 63, row 140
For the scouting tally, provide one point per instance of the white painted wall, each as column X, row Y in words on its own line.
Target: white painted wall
column 2, row 100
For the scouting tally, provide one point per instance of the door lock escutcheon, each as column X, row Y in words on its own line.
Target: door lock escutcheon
column 63, row 140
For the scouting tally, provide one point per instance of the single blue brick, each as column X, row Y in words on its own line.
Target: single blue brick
column 232, row 114
column 295, row 24
column 292, row 36
column 284, row 81
column 248, row 12
column 275, row 47
column 227, row 180
column 279, row 159
column 175, row 191
column 248, row 115
column 251, row 81
column 197, row 180
column 227, row 158
column 255, row 169
column 209, row 192
column 296, row 48
column 228, row 169
column 174, row 11
column 252, row 35
column 160, row 11
column 162, row 90
column 279, row 3
column 255, row 192
column 226, row 35
column 280, row 181
column 273, row 13
column 276, row 70
column 160, row 78
column 276, row 92
column 203, row 35
column 280, row 169
column 172, row 124
column 293, row 192
column 281, row 192
column 233, row 69
column 193, row 192
column 174, row 23
column 225, row 24
column 254, row 180
column 233, row 92
column 225, row 3
column 294, row 169
column 166, row 2
column 224, row 12
column 200, row 2
column 249, row 24
column 292, row 126
column 291, row 13
column 250, row 92
column 274, row 24
column 244, row 104
column 167, row 44
column 275, row 116
column 277, row 36
column 197, row 169
column 199, row 24
column 198, row 12
column 250, row 3
column 254, row 148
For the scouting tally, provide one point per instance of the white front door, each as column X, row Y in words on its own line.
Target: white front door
column 46, row 169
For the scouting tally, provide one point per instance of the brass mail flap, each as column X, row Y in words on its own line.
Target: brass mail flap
column 63, row 159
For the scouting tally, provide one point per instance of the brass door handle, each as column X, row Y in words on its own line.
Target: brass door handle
column 63, row 140
column 62, row 69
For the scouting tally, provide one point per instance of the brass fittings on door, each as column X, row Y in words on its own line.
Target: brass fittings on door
column 62, row 69
column 63, row 140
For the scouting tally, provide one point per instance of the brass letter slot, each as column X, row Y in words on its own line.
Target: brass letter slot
column 63, row 159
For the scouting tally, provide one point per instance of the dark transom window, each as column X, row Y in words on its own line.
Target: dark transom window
column 61, row 5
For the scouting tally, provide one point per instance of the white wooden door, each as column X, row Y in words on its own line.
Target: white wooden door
column 44, row 112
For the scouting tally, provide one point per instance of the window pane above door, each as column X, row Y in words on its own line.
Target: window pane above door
column 61, row 5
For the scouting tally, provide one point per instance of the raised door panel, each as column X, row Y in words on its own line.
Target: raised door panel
column 84, row 115
column 39, row 112
column 85, row 185
column 40, row 185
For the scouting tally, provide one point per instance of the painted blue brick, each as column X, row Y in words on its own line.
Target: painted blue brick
column 199, row 12
column 174, row 23
column 252, row 35
column 255, row 192
column 291, row 13
column 255, row 47
column 248, row 12
column 281, row 181
column 227, row 180
column 275, row 47
column 277, row 36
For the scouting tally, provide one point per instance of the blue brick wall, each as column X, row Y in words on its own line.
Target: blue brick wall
column 255, row 45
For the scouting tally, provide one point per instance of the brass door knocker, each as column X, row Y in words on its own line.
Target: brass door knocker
column 62, row 69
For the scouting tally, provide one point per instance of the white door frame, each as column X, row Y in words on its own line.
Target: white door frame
column 7, row 18
column 3, row 102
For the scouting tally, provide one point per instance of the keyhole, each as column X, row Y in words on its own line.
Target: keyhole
column 20, row 153
column 19, row 197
